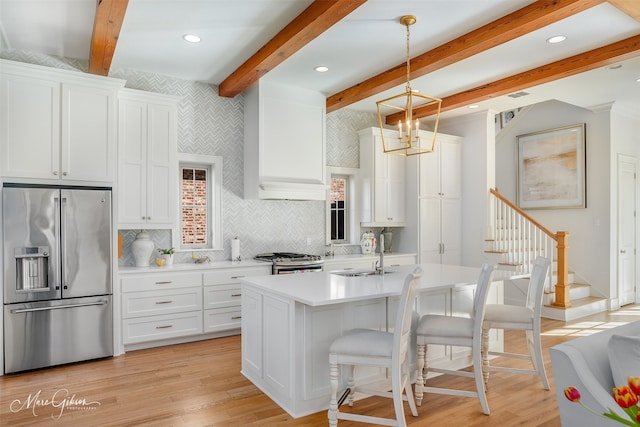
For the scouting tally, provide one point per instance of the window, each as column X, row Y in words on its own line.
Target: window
column 339, row 211
column 194, row 205
column 342, row 214
column 200, row 224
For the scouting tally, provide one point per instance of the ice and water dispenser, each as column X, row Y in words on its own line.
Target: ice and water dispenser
column 32, row 268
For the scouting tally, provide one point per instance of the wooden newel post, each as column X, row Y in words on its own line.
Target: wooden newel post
column 562, row 287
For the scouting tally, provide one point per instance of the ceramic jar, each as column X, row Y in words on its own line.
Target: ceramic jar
column 388, row 236
column 142, row 248
column 368, row 243
column 168, row 259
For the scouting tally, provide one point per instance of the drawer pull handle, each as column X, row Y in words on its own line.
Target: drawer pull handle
column 164, row 283
column 236, row 295
column 164, row 327
column 164, row 302
column 236, row 317
column 237, row 277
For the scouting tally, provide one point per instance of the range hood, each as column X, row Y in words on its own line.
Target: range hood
column 284, row 143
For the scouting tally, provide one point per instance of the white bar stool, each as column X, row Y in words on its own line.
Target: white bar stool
column 455, row 331
column 377, row 348
column 522, row 318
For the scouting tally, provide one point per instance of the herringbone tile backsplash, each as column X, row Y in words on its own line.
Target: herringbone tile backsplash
column 213, row 125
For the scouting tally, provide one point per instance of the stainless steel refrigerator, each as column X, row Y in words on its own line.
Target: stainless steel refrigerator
column 57, row 275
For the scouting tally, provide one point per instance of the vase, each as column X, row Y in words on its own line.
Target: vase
column 168, row 258
column 388, row 236
column 142, row 248
column 368, row 243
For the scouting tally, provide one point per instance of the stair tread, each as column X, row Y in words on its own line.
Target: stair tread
column 578, row 302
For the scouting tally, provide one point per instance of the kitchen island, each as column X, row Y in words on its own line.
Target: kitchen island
column 289, row 322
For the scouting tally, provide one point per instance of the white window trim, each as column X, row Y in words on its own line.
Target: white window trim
column 353, row 205
column 215, row 164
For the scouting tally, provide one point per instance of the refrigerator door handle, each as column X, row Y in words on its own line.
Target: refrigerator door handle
column 86, row 304
column 56, row 261
column 63, row 242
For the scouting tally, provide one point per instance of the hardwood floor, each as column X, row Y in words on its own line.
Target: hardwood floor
column 199, row 384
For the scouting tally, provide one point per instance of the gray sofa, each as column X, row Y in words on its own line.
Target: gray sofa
column 584, row 364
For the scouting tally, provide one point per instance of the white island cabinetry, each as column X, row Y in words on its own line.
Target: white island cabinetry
column 289, row 322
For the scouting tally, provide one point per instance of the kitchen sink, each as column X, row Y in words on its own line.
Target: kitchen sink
column 358, row 273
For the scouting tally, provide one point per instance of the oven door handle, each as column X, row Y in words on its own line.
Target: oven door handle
column 56, row 307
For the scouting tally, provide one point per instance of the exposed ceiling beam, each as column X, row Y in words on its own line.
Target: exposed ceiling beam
column 596, row 58
column 106, row 30
column 313, row 21
column 516, row 24
column 630, row 7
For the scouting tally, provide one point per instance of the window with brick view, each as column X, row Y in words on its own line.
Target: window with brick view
column 339, row 186
column 194, row 206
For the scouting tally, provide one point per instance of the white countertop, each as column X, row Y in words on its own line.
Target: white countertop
column 365, row 256
column 192, row 266
column 323, row 288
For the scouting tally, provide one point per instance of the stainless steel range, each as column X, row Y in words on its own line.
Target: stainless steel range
column 290, row 263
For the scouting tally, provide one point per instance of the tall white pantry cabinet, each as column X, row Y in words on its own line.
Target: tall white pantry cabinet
column 434, row 203
column 440, row 199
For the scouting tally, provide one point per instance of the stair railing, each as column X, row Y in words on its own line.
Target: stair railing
column 522, row 238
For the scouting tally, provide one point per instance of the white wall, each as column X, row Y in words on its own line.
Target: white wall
column 590, row 229
column 625, row 140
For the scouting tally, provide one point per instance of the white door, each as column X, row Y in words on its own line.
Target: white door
column 627, row 229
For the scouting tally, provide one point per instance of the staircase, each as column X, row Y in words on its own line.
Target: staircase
column 515, row 240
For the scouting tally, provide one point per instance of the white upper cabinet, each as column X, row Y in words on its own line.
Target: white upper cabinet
column 382, row 181
column 148, row 168
column 57, row 124
column 284, row 148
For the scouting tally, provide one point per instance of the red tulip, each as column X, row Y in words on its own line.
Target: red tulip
column 634, row 384
column 625, row 397
column 572, row 394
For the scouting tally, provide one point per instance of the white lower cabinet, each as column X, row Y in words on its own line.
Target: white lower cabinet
column 154, row 328
column 160, row 306
column 222, row 296
column 170, row 305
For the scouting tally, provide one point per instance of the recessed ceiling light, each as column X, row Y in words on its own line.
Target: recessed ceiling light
column 191, row 38
column 321, row 69
column 473, row 106
column 638, row 79
column 556, row 39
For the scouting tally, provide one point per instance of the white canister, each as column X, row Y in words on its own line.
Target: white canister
column 235, row 249
column 142, row 248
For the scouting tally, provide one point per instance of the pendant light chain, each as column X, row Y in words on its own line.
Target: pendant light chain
column 408, row 59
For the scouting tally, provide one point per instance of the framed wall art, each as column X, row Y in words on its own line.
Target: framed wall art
column 552, row 168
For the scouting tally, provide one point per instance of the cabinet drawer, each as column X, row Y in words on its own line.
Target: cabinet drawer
column 217, row 296
column 222, row 319
column 160, row 281
column 137, row 304
column 153, row 328
column 233, row 275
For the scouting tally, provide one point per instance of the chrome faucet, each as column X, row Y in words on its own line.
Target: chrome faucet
column 380, row 263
